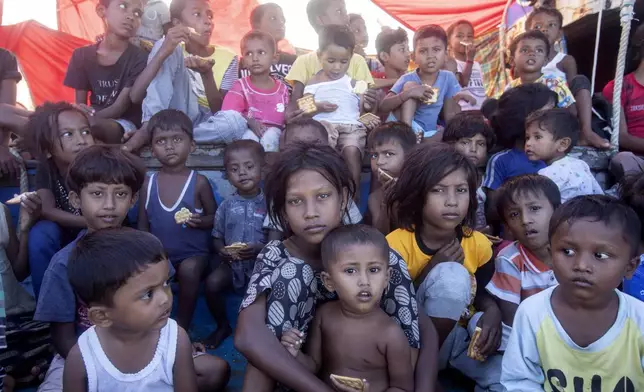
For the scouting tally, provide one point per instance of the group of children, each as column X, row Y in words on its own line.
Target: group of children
column 504, row 267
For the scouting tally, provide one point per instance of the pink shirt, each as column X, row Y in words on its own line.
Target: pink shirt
column 265, row 106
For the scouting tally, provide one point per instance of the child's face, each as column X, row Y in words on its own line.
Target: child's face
column 73, row 136
column 461, row 33
column 398, row 57
column 530, row 55
column 430, row 54
column 474, row 148
column 548, row 25
column 541, row 145
column 388, row 157
column 335, row 61
column 528, row 219
column 258, row 56
column 446, row 204
column 313, row 206
column 171, row 147
column 244, row 171
column 590, row 259
column 273, row 22
column 123, row 17
column 359, row 276
column 335, row 14
column 198, row 15
column 308, row 135
column 360, row 34
column 104, row 205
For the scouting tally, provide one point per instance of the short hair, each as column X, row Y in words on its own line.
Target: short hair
column 302, row 156
column 531, row 34
column 398, row 131
column 337, row 35
column 250, row 145
column 637, row 44
column 559, row 122
column 354, row 17
column 259, row 35
column 550, row 11
column 527, row 184
column 105, row 164
column 104, row 260
column 469, row 124
column 631, row 192
column 600, row 208
column 306, row 123
column 429, row 31
column 170, row 120
column 176, row 8
column 453, row 26
column 338, row 239
column 257, row 14
column 513, row 108
column 313, row 10
column 388, row 38
column 425, row 166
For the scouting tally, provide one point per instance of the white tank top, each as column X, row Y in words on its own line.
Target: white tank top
column 475, row 87
column 551, row 67
column 339, row 92
column 103, row 376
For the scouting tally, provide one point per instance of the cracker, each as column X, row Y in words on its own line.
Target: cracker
column 384, row 175
column 307, row 104
column 193, row 32
column 236, row 246
column 472, row 351
column 350, row 382
column 367, row 118
column 434, row 98
column 182, row 216
column 16, row 199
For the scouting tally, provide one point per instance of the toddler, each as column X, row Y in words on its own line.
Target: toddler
column 469, row 73
column 550, row 135
column 260, row 98
column 354, row 337
column 173, row 189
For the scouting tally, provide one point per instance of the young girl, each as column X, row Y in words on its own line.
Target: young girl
column 460, row 38
column 307, row 191
column 56, row 133
column 435, row 202
column 359, row 29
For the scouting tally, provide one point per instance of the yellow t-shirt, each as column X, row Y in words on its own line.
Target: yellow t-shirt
column 307, row 65
column 477, row 249
column 223, row 58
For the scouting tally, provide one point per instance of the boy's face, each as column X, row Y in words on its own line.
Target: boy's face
column 590, row 259
column 273, row 23
column 388, row 157
column 430, row 54
column 528, row 219
column 359, row 276
column 335, row 61
column 548, row 25
column 198, row 15
column 258, row 56
column 103, row 205
column 73, row 136
column 171, row 147
column 244, row 171
column 474, row 148
column 462, row 33
column 541, row 145
column 308, row 135
column 360, row 34
column 530, row 55
column 335, row 14
column 398, row 57
column 446, row 204
column 123, row 17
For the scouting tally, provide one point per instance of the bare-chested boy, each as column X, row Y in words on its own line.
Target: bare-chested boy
column 353, row 337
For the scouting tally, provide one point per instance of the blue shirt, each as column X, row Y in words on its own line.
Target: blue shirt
column 427, row 115
column 239, row 219
column 507, row 164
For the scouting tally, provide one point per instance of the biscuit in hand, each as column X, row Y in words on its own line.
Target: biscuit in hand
column 350, row 382
column 182, row 216
column 307, row 104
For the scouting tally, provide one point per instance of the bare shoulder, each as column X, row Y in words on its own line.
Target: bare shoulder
column 202, row 181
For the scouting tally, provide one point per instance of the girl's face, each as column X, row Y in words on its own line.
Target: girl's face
column 314, row 206
column 447, row 203
column 335, row 61
column 462, row 33
column 73, row 137
column 359, row 30
column 198, row 15
column 273, row 23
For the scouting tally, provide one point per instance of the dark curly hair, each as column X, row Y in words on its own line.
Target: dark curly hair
column 467, row 125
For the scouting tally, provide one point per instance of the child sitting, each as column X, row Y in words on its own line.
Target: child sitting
column 631, row 191
column 108, row 69
column 524, row 268
column 57, row 132
column 239, row 219
column 333, row 84
column 460, row 36
column 392, row 47
column 175, row 188
column 561, row 335
column 388, row 144
column 422, row 94
column 361, row 35
column 354, row 337
column 472, row 136
column 260, row 98
column 549, row 137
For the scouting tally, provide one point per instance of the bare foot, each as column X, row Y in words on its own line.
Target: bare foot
column 216, row 338
column 135, row 141
column 591, row 139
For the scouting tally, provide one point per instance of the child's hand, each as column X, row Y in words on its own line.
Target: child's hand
column 470, row 52
column 198, row 348
column 30, row 209
column 250, row 252
column 463, row 96
column 370, row 99
column 292, row 341
column 343, row 388
column 175, row 36
column 373, row 123
column 490, row 337
column 420, row 92
column 226, row 256
column 88, row 110
column 293, row 115
column 195, row 221
column 450, row 252
column 257, row 127
column 326, row 107
column 9, row 164
column 198, row 64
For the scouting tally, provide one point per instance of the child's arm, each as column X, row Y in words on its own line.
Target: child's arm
column 505, row 288
column 292, row 341
column 451, row 106
column 219, row 232
column 75, row 374
column 490, row 322
column 204, row 67
column 208, row 204
column 118, row 108
column 394, row 99
column 569, row 65
column 63, row 337
column 399, row 367
column 51, row 213
column 143, row 222
column 183, row 372
column 18, row 246
column 378, row 212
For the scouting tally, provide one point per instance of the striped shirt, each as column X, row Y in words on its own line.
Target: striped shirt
column 519, row 275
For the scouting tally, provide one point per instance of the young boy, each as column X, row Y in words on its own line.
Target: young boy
column 360, row 33
column 392, row 47
column 260, row 98
column 631, row 190
column 108, row 70
column 239, row 220
column 523, row 268
column 549, row 137
column 583, row 333
column 173, row 189
column 387, row 147
column 354, row 337
column 422, row 94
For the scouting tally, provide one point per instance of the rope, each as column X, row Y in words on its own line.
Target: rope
column 597, row 37
column 626, row 16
